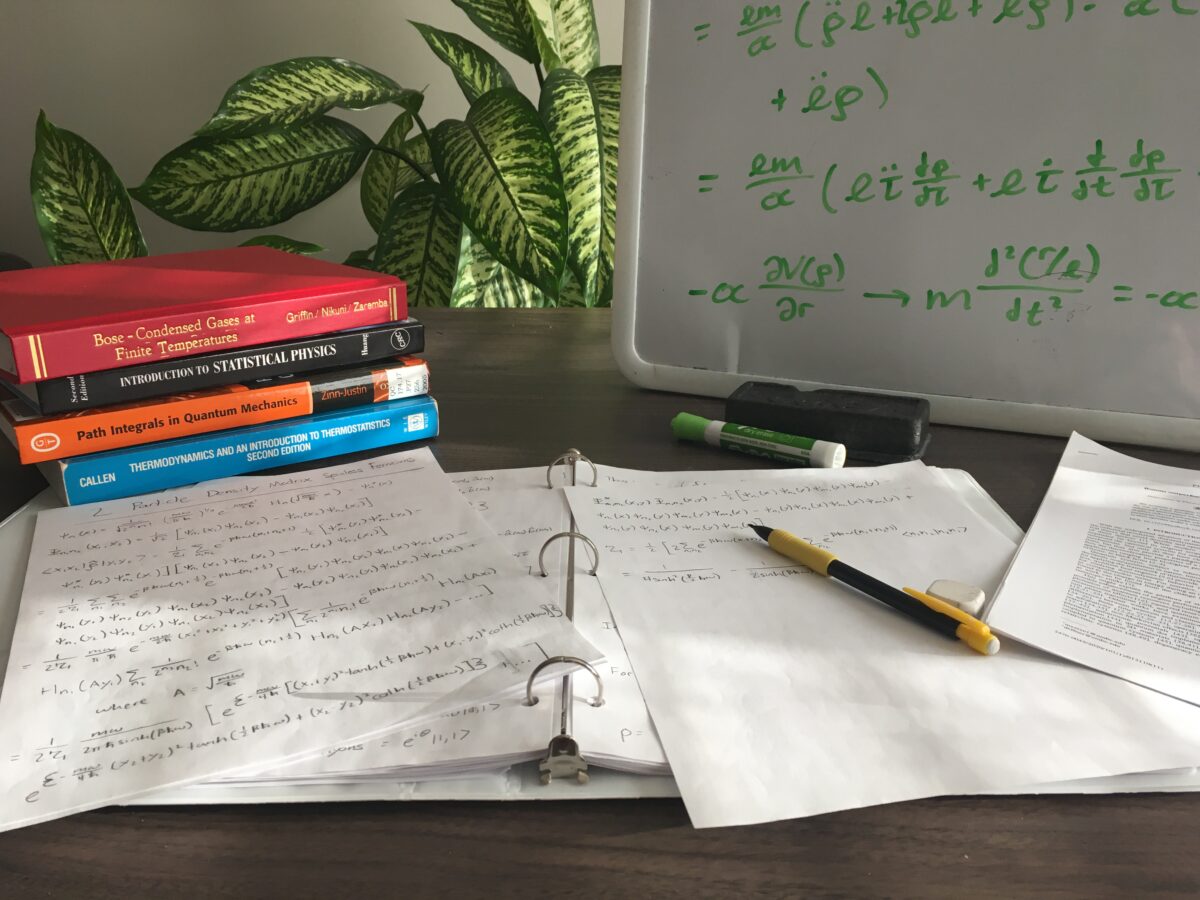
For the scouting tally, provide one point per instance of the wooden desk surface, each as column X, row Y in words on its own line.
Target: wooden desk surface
column 517, row 388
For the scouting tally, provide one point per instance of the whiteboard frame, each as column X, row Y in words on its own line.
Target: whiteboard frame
column 1005, row 415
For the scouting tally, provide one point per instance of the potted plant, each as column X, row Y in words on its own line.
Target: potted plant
column 512, row 206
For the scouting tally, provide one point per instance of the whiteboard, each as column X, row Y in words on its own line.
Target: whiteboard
column 994, row 204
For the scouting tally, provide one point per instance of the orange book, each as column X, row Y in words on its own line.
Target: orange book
column 40, row 439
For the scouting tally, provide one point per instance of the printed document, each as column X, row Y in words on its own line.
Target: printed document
column 1109, row 574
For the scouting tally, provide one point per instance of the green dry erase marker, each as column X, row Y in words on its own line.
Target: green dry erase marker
column 788, row 448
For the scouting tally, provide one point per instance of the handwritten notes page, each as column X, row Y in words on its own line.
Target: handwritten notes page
column 778, row 693
column 182, row 635
column 620, row 735
column 1109, row 574
column 524, row 513
column 516, row 503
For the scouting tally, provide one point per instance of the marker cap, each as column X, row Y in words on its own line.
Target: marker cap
column 688, row 427
column 826, row 455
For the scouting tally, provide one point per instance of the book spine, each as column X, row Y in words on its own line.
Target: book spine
column 298, row 357
column 141, row 470
column 236, row 406
column 91, row 348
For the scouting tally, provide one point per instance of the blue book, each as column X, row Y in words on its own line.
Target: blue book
column 155, row 467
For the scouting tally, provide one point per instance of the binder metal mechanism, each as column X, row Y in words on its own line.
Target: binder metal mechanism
column 563, row 758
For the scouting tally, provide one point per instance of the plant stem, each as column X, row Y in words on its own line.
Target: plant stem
column 537, row 68
column 417, row 167
column 421, row 125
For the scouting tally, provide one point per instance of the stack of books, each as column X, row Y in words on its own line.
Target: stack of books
column 125, row 377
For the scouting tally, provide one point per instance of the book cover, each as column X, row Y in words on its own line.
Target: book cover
column 299, row 357
column 156, row 467
column 67, row 320
column 43, row 438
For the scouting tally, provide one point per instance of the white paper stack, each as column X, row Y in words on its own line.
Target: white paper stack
column 746, row 661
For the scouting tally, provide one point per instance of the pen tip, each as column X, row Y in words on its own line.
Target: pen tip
column 761, row 530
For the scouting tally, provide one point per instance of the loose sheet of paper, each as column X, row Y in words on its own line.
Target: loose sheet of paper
column 778, row 693
column 182, row 635
column 1109, row 574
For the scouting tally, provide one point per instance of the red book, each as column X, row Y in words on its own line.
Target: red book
column 88, row 317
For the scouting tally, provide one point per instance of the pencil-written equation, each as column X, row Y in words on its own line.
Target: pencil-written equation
column 682, row 536
column 171, row 637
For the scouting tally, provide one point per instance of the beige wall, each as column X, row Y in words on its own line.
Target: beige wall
column 136, row 77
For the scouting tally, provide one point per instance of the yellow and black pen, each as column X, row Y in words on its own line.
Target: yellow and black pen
column 929, row 611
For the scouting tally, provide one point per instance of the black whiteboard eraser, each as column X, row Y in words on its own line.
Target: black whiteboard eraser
column 874, row 427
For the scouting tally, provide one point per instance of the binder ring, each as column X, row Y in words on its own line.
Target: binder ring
column 598, row 700
column 571, row 457
column 595, row 554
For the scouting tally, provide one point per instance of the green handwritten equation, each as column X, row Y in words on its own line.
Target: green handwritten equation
column 1029, row 285
column 929, row 181
column 818, row 25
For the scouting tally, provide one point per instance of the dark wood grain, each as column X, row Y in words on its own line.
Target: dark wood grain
column 517, row 388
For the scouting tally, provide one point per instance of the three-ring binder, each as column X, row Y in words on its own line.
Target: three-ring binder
column 572, row 458
column 564, row 759
column 573, row 535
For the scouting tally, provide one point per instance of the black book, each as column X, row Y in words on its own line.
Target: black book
column 193, row 373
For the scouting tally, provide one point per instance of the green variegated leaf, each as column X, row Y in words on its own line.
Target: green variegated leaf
column 361, row 259
column 386, row 174
column 506, row 22
column 605, row 84
column 255, row 181
column 501, row 169
column 547, row 44
column 570, row 293
column 287, row 244
column 475, row 70
column 571, row 115
column 483, row 282
column 82, row 209
column 565, row 34
column 419, row 242
column 298, row 90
